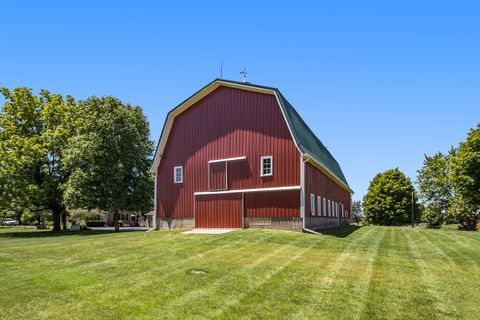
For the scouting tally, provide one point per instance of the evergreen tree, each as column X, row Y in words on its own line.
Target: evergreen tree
column 389, row 199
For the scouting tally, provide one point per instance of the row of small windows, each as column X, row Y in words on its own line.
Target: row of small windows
column 326, row 207
column 266, row 169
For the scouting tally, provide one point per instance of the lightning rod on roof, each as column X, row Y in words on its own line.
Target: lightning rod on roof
column 221, row 69
column 244, row 73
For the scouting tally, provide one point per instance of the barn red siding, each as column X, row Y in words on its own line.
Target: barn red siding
column 218, row 176
column 319, row 184
column 219, row 211
column 272, row 204
column 227, row 123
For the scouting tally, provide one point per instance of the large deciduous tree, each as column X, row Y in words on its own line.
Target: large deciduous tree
column 435, row 188
column 465, row 177
column 34, row 131
column 109, row 158
column 389, row 199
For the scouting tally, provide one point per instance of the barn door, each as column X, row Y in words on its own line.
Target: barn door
column 217, row 176
column 219, row 211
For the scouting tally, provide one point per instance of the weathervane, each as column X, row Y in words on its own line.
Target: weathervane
column 244, row 73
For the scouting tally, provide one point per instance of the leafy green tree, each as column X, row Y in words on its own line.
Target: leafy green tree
column 432, row 215
column 357, row 213
column 109, row 158
column 435, row 188
column 464, row 212
column 33, row 134
column 389, row 199
column 465, row 176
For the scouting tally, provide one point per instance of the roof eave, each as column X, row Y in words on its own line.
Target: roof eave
column 318, row 164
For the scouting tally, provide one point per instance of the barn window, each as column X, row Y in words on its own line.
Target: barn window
column 178, row 174
column 329, row 209
column 312, row 204
column 319, row 206
column 325, row 207
column 266, row 166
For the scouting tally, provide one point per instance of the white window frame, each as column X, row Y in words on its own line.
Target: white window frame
column 261, row 166
column 312, row 204
column 329, row 208
column 175, row 174
column 319, row 206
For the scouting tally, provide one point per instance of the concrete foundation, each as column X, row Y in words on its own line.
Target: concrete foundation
column 175, row 223
column 324, row 222
column 283, row 223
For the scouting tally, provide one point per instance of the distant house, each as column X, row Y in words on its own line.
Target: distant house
column 126, row 218
column 238, row 155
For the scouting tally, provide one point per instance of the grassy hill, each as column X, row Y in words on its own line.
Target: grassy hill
column 364, row 273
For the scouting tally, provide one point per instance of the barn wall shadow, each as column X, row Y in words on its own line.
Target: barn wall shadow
column 340, row 232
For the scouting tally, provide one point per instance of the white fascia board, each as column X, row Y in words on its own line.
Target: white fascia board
column 248, row 190
column 228, row 159
column 191, row 101
column 309, row 158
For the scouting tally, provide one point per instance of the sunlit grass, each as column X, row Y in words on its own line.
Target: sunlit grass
column 358, row 273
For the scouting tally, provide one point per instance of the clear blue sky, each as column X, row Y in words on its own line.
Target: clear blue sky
column 381, row 83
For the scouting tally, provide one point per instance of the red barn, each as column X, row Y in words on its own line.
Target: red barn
column 238, row 155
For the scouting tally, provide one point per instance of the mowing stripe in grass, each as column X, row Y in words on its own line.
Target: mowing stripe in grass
column 233, row 276
column 330, row 275
column 229, row 303
column 369, row 270
column 430, row 280
column 447, row 241
column 344, row 255
column 164, row 273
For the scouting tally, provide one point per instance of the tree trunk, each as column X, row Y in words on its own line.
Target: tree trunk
column 56, row 215
column 115, row 218
column 64, row 219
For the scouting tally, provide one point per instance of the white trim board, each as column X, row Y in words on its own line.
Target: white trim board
column 205, row 193
column 228, row 159
column 206, row 91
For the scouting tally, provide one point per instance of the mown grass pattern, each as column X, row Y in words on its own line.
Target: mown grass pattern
column 355, row 273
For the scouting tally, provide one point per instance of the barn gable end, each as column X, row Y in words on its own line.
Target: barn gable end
column 219, row 137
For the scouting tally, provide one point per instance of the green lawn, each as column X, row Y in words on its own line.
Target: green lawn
column 363, row 273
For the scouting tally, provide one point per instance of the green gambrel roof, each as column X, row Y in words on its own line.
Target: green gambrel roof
column 306, row 140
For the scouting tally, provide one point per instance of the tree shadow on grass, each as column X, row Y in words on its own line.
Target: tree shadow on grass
column 340, row 232
column 53, row 234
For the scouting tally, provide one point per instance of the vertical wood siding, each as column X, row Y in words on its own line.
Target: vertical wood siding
column 218, row 176
column 272, row 204
column 319, row 184
column 219, row 211
column 227, row 123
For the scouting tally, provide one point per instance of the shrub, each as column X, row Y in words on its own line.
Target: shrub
column 95, row 223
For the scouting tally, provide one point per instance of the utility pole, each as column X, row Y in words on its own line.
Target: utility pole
column 412, row 209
